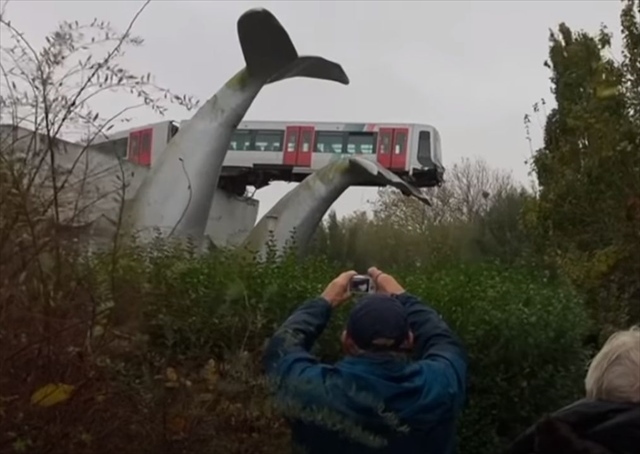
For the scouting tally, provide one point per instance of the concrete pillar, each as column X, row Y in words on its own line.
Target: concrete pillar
column 231, row 218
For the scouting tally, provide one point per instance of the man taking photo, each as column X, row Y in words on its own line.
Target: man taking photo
column 399, row 389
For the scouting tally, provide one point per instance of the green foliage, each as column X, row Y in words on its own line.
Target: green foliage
column 524, row 331
column 630, row 21
column 476, row 216
column 585, row 218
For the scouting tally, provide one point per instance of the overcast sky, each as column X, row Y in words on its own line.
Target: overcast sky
column 470, row 68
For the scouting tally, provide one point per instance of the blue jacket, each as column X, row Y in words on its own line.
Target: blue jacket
column 373, row 403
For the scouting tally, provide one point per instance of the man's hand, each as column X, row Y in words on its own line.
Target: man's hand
column 337, row 292
column 384, row 283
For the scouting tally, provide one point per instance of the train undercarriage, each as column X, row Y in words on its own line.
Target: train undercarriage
column 235, row 180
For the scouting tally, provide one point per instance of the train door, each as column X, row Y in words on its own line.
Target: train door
column 140, row 147
column 399, row 150
column 144, row 156
column 383, row 151
column 299, row 142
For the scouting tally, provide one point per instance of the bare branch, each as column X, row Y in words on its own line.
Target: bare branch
column 48, row 96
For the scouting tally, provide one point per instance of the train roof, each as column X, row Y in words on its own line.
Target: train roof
column 328, row 123
column 247, row 123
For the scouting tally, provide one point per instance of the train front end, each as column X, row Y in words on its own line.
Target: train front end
column 426, row 168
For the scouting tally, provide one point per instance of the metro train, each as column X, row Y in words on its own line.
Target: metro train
column 265, row 151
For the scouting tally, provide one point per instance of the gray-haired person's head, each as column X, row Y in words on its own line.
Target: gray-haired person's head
column 614, row 373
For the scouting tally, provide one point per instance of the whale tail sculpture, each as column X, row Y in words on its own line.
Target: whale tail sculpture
column 297, row 215
column 176, row 195
column 270, row 54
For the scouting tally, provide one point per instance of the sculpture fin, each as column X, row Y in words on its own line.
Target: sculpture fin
column 266, row 45
column 270, row 54
column 385, row 176
column 314, row 68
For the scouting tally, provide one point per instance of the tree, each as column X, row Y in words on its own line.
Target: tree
column 500, row 231
column 457, row 224
column 475, row 217
column 470, row 188
column 588, row 168
column 47, row 98
column 630, row 24
column 51, row 322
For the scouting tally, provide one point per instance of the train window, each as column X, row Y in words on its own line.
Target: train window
column 116, row 147
column 384, row 144
column 361, row 143
column 240, row 141
column 120, row 147
column 307, row 138
column 400, row 144
column 292, row 140
column 329, row 142
column 268, row 140
column 424, row 148
column 172, row 130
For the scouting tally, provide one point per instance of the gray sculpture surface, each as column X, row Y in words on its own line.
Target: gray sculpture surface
column 297, row 215
column 176, row 195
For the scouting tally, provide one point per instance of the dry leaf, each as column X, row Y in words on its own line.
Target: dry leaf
column 171, row 378
column 171, row 374
column 210, row 373
column 52, row 394
column 177, row 427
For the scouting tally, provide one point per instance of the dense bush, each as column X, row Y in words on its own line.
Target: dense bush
column 201, row 322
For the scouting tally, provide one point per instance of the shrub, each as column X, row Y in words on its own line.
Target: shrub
column 523, row 331
column 161, row 346
column 525, row 337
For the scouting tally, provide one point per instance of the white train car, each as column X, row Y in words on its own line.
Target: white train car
column 141, row 145
column 264, row 151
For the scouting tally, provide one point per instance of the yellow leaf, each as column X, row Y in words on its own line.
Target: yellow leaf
column 51, row 394
column 210, row 373
column 606, row 92
column 171, row 374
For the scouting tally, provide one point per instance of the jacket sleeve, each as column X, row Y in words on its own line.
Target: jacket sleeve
column 287, row 354
column 437, row 347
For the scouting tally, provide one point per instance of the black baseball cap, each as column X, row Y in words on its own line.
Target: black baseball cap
column 378, row 322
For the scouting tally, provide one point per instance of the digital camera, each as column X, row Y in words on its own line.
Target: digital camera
column 360, row 284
